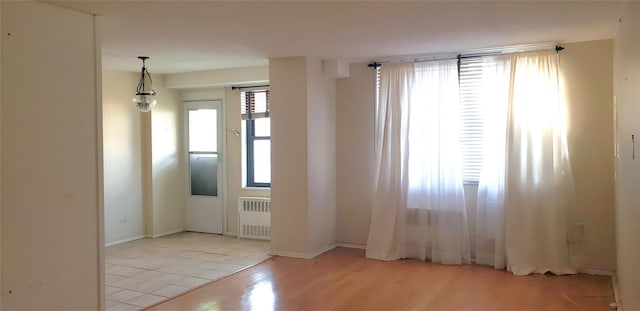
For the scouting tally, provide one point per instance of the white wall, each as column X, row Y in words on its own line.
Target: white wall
column 303, row 193
column 626, row 85
column 122, row 158
column 205, row 94
column 586, row 76
column 167, row 158
column 586, row 71
column 146, row 163
column 321, row 153
column 289, row 174
column 1, row 292
column 144, row 182
column 51, row 159
column 355, row 101
column 219, row 77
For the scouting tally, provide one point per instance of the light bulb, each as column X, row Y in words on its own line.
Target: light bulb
column 144, row 102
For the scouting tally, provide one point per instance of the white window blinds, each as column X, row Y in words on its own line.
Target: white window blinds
column 472, row 127
column 471, row 123
column 255, row 104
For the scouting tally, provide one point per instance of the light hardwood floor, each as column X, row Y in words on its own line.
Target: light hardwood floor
column 343, row 279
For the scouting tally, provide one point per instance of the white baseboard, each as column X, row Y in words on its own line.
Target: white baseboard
column 229, row 233
column 303, row 255
column 598, row 271
column 616, row 292
column 290, row 254
column 351, row 245
column 138, row 237
column 323, row 250
column 153, row 236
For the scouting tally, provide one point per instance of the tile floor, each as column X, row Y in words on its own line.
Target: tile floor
column 143, row 272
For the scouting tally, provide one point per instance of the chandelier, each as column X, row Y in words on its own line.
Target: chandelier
column 145, row 98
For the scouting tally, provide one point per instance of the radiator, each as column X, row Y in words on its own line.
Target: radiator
column 254, row 218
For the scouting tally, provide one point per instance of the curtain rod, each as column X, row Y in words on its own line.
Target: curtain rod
column 250, row 87
column 470, row 54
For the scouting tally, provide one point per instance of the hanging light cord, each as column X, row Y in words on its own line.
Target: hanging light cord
column 140, row 88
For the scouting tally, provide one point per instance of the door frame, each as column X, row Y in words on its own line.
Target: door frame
column 222, row 156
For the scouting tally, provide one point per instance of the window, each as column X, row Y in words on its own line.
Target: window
column 471, row 122
column 203, row 151
column 255, row 113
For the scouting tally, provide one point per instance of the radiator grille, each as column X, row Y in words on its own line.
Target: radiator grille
column 254, row 218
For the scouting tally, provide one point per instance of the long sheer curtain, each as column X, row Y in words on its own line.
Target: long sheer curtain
column 437, row 227
column 490, row 211
column 419, row 209
column 540, row 185
column 526, row 188
column 525, row 193
column 388, row 210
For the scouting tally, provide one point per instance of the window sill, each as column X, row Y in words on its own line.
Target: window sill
column 256, row 188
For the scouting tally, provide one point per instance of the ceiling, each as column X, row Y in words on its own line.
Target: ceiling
column 185, row 36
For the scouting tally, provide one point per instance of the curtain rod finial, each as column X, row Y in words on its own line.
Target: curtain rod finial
column 559, row 48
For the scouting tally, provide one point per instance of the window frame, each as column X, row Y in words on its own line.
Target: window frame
column 250, row 138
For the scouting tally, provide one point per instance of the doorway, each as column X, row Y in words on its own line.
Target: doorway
column 204, row 210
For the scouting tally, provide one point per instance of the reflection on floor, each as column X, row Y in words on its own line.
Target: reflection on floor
column 143, row 272
column 343, row 279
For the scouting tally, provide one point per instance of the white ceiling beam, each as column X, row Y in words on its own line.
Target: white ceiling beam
column 218, row 77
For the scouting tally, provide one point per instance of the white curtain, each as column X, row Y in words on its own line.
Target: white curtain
column 437, row 227
column 526, row 188
column 388, row 211
column 490, row 213
column 419, row 209
column 540, row 185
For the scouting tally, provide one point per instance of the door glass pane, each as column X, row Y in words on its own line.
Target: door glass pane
column 262, row 161
column 262, row 127
column 203, row 130
column 204, row 174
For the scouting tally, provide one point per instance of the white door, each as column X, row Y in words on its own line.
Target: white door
column 203, row 127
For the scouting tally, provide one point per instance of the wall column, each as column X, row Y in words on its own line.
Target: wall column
column 51, row 159
column 303, row 169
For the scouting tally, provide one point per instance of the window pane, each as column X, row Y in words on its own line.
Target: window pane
column 203, row 130
column 262, row 161
column 261, row 101
column 262, row 127
column 471, row 120
column 204, row 174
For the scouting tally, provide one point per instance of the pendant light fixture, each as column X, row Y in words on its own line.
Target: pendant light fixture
column 145, row 98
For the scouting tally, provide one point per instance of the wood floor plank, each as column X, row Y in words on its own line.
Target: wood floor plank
column 343, row 279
